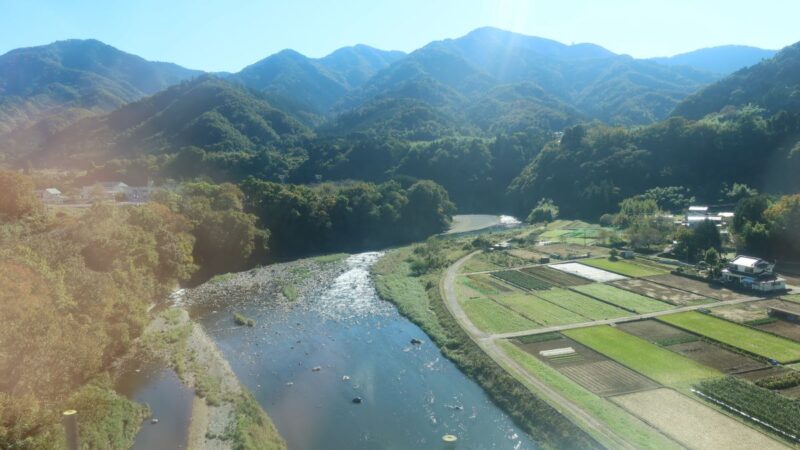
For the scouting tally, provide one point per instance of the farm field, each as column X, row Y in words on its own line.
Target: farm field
column 490, row 317
column 660, row 292
column 624, row 267
column 555, row 277
column 623, row 298
column 717, row 357
column 764, row 373
column 741, row 313
column 779, row 411
column 782, row 328
column 698, row 287
column 692, row 423
column 745, row 338
column 521, row 280
column 581, row 304
column 570, row 250
column 538, row 310
column 640, row 434
column 588, row 272
column 644, row 357
column 656, row 332
column 484, row 284
column 792, row 297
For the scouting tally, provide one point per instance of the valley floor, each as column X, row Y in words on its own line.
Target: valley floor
column 619, row 348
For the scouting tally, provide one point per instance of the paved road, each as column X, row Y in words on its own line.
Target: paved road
column 489, row 345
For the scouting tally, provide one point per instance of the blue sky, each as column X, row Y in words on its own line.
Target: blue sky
column 230, row 34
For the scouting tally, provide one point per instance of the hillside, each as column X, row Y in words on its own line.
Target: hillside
column 773, row 84
column 722, row 60
column 45, row 88
column 309, row 87
column 584, row 78
column 207, row 112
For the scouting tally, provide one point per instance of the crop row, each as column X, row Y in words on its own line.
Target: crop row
column 519, row 279
column 773, row 409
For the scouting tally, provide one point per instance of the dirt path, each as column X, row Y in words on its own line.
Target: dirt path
column 488, row 344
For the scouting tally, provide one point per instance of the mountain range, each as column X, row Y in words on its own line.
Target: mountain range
column 84, row 98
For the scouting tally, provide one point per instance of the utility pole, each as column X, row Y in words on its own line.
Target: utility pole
column 70, row 419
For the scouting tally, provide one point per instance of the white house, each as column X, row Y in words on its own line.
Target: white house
column 753, row 273
column 52, row 196
column 697, row 209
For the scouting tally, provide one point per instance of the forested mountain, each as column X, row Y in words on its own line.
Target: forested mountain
column 722, row 60
column 582, row 79
column 45, row 88
column 206, row 112
column 773, row 84
column 309, row 87
column 593, row 168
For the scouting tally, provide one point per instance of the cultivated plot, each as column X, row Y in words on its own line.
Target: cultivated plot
column 555, row 277
column 581, row 304
column 714, row 356
column 660, row 292
column 692, row 423
column 490, row 317
column 588, row 368
column 745, row 338
column 538, row 310
column 788, row 330
column 624, row 267
column 644, row 357
column 698, row 287
column 521, row 280
column 657, row 332
column 622, row 298
column 741, row 313
column 590, row 273
column 485, row 284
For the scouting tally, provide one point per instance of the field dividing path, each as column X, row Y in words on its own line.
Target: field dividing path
column 489, row 346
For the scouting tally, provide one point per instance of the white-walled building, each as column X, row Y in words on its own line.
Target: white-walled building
column 753, row 273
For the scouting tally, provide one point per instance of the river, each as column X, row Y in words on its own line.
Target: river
column 305, row 363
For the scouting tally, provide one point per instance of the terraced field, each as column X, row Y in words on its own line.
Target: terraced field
column 581, row 304
column 648, row 359
column 541, row 311
column 625, row 267
column 745, row 338
column 623, row 298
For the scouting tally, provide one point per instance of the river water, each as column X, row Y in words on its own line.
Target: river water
column 306, row 363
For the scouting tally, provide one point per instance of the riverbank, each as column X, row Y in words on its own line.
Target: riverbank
column 224, row 415
column 418, row 298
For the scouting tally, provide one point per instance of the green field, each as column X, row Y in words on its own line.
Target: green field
column 623, row 298
column 648, row 359
column 624, row 267
column 745, row 338
column 625, row 424
column 541, row 311
column 581, row 304
column 493, row 318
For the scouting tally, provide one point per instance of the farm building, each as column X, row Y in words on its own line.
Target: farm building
column 753, row 273
column 697, row 209
column 51, row 196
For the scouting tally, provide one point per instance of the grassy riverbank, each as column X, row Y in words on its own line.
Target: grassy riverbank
column 418, row 298
column 227, row 416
